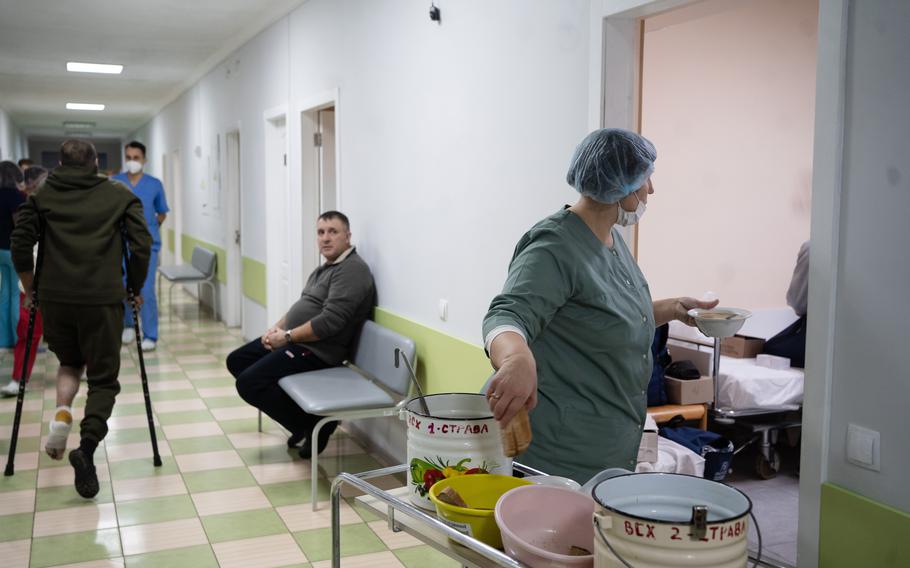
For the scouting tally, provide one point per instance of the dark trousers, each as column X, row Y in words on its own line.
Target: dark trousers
column 88, row 335
column 790, row 343
column 258, row 371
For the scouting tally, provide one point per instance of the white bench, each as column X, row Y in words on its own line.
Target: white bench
column 344, row 393
column 202, row 269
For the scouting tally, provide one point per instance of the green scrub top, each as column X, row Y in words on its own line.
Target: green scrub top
column 586, row 312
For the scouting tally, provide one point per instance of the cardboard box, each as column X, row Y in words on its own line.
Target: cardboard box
column 695, row 391
column 700, row 358
column 741, row 347
column 647, row 450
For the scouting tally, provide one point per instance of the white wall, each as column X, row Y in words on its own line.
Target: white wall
column 728, row 99
column 11, row 143
column 870, row 385
column 233, row 95
column 453, row 139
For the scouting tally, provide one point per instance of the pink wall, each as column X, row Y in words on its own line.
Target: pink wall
column 728, row 99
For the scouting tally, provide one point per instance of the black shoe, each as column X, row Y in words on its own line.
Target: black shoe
column 307, row 448
column 86, row 478
column 295, row 439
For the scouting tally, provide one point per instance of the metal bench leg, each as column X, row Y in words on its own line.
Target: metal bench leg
column 314, row 456
column 260, row 421
column 214, row 288
column 170, row 300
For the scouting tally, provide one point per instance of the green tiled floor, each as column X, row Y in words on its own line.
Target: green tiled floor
column 168, row 516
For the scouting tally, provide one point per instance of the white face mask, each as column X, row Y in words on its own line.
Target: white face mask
column 626, row 218
column 134, row 167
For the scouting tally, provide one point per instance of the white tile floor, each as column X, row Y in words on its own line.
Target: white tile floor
column 775, row 503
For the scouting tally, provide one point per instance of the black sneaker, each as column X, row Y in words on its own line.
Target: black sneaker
column 86, row 478
column 295, row 439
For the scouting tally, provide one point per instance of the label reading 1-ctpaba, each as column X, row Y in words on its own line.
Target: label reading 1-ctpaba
column 456, row 429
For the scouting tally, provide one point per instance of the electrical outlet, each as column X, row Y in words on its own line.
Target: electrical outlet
column 863, row 447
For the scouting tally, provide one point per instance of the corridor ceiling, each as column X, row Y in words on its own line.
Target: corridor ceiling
column 164, row 45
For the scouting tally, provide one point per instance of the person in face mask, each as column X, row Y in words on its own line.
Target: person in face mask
column 151, row 192
column 570, row 335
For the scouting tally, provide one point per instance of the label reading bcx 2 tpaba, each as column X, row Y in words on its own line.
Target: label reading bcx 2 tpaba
column 447, row 429
column 718, row 533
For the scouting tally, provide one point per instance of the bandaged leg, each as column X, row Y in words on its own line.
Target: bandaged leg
column 62, row 422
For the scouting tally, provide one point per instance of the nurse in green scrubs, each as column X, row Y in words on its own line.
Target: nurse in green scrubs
column 570, row 334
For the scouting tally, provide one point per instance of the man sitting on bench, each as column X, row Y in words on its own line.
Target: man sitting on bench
column 315, row 333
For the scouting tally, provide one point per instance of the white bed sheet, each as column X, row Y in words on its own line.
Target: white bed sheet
column 744, row 385
column 674, row 458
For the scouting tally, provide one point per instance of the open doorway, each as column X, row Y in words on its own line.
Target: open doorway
column 278, row 213
column 726, row 91
column 319, row 172
column 233, row 311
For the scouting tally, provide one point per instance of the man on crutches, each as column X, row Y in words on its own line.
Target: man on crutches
column 81, row 291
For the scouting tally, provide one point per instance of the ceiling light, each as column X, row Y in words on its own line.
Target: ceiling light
column 84, row 106
column 76, row 124
column 77, row 134
column 77, row 67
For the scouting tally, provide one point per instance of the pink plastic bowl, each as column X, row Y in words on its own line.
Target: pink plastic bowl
column 539, row 524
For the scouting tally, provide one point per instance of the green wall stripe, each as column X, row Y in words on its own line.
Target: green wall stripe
column 444, row 363
column 186, row 245
column 253, row 271
column 856, row 531
column 254, row 281
column 170, row 240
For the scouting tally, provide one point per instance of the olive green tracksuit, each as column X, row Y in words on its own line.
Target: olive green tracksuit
column 81, row 292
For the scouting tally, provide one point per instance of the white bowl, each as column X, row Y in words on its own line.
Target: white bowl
column 554, row 481
column 719, row 322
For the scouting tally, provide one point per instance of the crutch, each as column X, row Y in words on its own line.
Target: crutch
column 23, row 378
column 156, row 457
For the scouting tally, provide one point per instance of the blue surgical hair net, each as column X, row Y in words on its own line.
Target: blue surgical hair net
column 611, row 163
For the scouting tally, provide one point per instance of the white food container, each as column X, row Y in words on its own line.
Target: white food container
column 664, row 520
column 459, row 435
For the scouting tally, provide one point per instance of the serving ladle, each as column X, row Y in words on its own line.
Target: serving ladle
column 407, row 363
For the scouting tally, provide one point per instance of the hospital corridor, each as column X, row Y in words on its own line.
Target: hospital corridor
column 439, row 283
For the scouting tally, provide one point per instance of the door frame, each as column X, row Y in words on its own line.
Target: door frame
column 166, row 257
column 233, row 310
column 305, row 179
column 176, row 164
column 278, row 246
column 615, row 53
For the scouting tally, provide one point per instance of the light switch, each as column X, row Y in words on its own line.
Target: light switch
column 863, row 447
column 443, row 309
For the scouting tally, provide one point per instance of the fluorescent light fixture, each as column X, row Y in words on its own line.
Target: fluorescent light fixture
column 77, row 134
column 84, row 106
column 77, row 67
column 73, row 124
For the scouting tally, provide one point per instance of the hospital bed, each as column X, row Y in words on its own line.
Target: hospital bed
column 757, row 402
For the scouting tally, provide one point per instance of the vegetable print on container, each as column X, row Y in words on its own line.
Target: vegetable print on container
column 426, row 472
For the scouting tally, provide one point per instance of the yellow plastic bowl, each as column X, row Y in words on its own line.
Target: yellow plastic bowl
column 481, row 491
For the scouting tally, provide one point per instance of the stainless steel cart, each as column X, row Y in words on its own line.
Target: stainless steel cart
column 396, row 507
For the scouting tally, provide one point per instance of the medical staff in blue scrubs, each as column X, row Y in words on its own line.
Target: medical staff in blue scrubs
column 154, row 203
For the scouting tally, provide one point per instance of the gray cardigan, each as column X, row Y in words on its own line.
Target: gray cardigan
column 336, row 300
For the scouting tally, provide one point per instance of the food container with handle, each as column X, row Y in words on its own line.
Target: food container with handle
column 664, row 520
column 458, row 436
